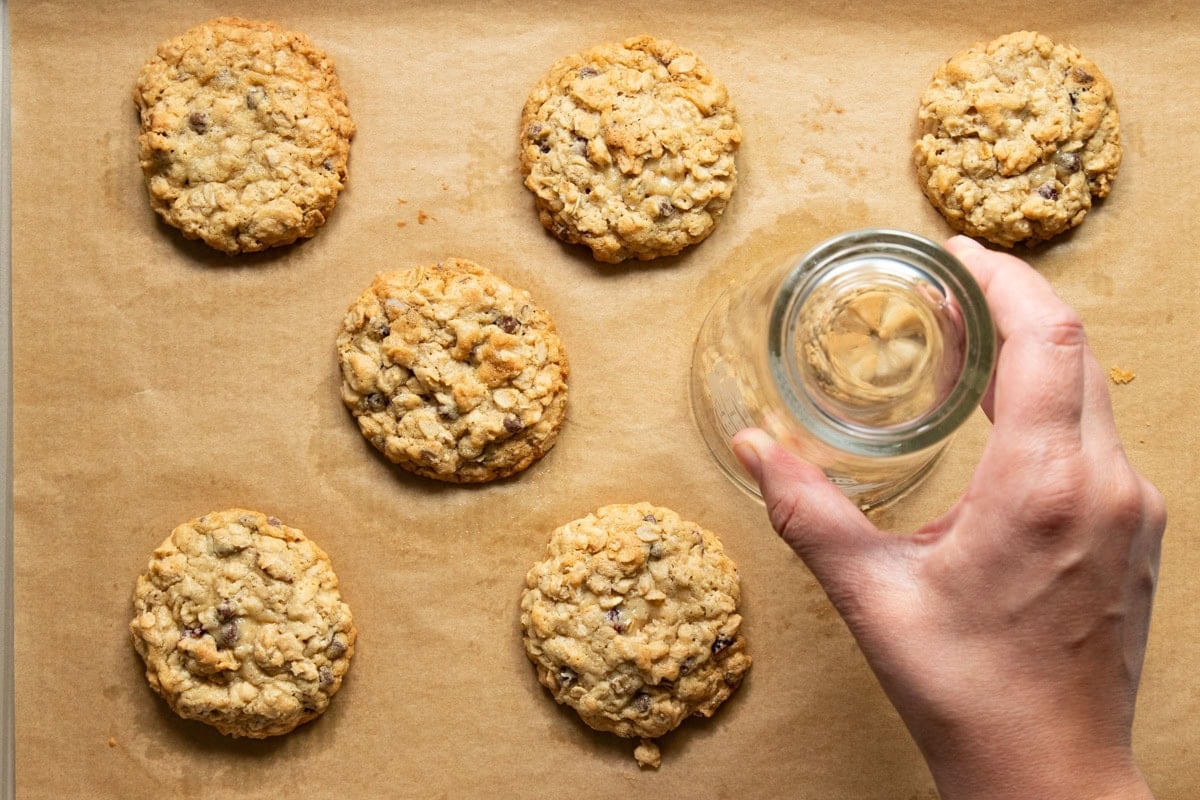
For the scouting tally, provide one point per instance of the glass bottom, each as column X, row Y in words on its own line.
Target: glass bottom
column 719, row 414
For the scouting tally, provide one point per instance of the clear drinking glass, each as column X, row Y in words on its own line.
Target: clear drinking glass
column 863, row 356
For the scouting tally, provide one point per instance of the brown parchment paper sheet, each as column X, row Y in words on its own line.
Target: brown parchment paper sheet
column 155, row 380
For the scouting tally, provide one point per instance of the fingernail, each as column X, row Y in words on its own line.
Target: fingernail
column 750, row 446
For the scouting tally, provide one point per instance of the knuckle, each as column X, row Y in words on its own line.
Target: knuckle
column 1063, row 327
column 1059, row 494
column 1133, row 506
column 785, row 514
column 1126, row 490
column 1067, row 488
column 1125, row 502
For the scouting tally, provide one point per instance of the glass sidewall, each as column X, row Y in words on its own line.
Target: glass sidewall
column 740, row 375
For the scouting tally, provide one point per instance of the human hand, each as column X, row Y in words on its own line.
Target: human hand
column 1009, row 633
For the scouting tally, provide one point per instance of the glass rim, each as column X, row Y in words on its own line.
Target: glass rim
column 952, row 278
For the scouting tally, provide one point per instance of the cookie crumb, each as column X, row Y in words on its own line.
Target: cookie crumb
column 422, row 217
column 400, row 223
column 1121, row 376
column 112, row 741
column 647, row 754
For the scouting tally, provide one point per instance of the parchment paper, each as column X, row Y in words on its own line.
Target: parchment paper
column 156, row 380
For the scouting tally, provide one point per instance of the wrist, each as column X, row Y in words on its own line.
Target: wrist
column 1043, row 777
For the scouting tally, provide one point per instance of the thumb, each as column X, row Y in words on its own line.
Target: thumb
column 811, row 514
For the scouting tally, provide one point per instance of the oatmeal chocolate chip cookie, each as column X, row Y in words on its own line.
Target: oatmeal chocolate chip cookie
column 245, row 134
column 240, row 623
column 452, row 373
column 1019, row 136
column 629, row 149
column 632, row 621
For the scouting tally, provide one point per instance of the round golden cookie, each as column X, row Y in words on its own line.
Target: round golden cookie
column 1018, row 137
column 245, row 134
column 452, row 373
column 632, row 620
column 629, row 149
column 239, row 620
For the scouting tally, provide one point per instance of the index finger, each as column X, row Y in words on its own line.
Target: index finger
column 1040, row 368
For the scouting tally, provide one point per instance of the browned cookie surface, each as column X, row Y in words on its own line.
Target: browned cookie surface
column 453, row 373
column 632, row 620
column 1018, row 137
column 629, row 149
column 241, row 625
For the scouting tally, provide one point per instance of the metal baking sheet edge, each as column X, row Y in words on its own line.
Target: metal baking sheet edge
column 7, row 650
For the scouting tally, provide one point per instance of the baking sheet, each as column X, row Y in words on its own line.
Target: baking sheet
column 7, row 722
column 155, row 380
